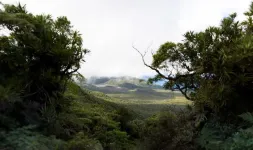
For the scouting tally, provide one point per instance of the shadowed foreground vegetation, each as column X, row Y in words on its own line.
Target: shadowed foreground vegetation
column 42, row 108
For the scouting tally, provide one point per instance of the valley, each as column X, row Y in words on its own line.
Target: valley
column 192, row 92
column 135, row 94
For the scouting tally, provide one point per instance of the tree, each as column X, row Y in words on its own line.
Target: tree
column 39, row 55
column 212, row 67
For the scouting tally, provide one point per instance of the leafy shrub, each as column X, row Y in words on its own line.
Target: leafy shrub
column 243, row 139
column 167, row 130
column 217, row 136
column 89, row 119
column 116, row 140
column 82, row 142
column 25, row 139
column 136, row 128
column 214, row 134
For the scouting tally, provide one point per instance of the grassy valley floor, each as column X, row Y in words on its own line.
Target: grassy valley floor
column 146, row 105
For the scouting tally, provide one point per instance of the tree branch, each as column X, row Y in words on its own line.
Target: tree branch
column 158, row 71
column 183, row 92
column 151, row 67
column 169, row 77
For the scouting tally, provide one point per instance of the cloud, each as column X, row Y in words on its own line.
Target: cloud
column 109, row 27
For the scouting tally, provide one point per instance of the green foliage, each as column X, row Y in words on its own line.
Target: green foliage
column 80, row 141
column 211, row 67
column 90, row 121
column 218, row 136
column 117, row 139
column 25, row 139
column 213, row 134
column 240, row 140
column 155, row 127
column 247, row 117
column 40, row 54
column 104, row 123
column 136, row 128
column 42, row 108
column 166, row 130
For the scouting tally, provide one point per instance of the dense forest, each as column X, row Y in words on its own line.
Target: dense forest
column 44, row 104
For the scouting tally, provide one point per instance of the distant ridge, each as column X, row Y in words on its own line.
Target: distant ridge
column 124, row 84
column 96, row 80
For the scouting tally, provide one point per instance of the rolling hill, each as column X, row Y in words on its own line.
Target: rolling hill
column 135, row 94
column 125, row 85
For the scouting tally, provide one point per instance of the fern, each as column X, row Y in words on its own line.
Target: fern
column 215, row 136
column 242, row 140
column 7, row 94
column 247, row 117
column 25, row 139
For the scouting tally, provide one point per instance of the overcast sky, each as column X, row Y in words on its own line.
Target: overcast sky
column 110, row 27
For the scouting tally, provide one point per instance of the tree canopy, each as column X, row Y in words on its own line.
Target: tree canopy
column 38, row 55
column 212, row 67
column 39, row 50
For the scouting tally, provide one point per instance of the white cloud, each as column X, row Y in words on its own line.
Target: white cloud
column 110, row 27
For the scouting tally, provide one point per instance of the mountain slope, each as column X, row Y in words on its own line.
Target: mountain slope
column 134, row 87
column 120, row 81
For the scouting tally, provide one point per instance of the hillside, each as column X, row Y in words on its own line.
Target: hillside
column 125, row 85
column 47, row 104
column 135, row 94
column 120, row 81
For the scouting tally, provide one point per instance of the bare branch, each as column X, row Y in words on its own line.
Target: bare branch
column 149, row 45
column 151, row 67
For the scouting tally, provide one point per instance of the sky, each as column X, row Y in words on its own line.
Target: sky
column 111, row 27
